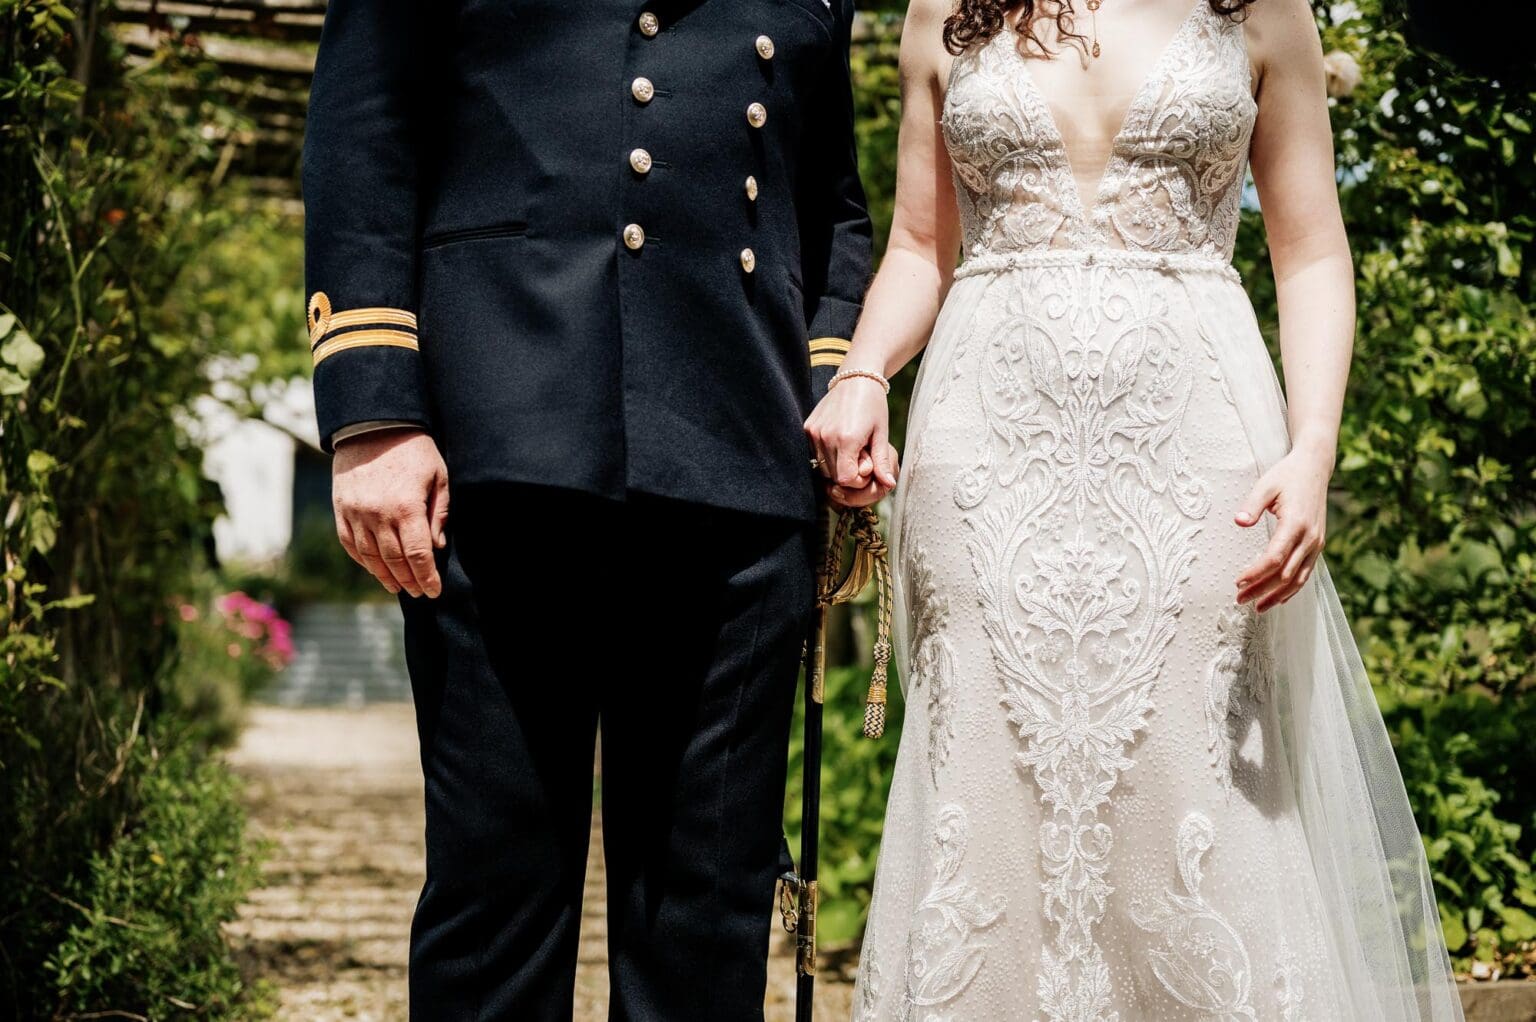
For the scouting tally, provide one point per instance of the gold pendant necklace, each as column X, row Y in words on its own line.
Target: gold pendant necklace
column 1093, row 10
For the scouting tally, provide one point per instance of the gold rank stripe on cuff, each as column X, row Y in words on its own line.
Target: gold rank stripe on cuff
column 373, row 327
column 347, row 340
column 366, row 317
column 829, row 351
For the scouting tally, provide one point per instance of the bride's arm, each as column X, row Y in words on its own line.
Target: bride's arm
column 1314, row 282
column 850, row 427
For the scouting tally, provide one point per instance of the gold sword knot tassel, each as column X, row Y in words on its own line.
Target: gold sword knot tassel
column 871, row 562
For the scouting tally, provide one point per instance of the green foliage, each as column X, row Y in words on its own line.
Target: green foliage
column 1486, row 883
column 149, row 907
column 877, row 117
column 108, row 197
column 245, row 295
column 1436, row 539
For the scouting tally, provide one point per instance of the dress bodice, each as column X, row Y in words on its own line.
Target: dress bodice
column 1174, row 179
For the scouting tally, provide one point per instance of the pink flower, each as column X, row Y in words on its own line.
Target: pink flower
column 188, row 612
column 234, row 650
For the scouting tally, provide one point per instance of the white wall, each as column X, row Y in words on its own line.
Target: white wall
column 252, row 461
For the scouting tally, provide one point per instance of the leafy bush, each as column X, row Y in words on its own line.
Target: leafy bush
column 1467, row 760
column 1474, row 855
column 147, row 938
column 109, row 188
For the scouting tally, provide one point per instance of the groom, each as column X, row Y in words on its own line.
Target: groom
column 590, row 262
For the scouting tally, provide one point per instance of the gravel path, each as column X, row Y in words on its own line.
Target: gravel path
column 338, row 793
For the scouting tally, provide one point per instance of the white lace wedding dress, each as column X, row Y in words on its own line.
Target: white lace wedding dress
column 1119, row 796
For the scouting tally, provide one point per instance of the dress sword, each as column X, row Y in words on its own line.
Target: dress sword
column 870, row 563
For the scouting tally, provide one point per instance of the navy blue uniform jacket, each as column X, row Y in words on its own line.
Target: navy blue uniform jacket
column 602, row 245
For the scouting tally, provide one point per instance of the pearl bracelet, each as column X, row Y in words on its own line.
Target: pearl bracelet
column 868, row 374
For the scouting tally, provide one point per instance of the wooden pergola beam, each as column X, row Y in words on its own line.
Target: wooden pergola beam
column 265, row 53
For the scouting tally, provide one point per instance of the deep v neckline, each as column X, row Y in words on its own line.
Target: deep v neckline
column 1087, row 214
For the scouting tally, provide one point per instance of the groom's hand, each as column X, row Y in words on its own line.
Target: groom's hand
column 390, row 492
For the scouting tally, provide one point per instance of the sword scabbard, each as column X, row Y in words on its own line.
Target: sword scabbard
column 818, row 658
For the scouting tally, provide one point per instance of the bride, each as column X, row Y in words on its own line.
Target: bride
column 1142, row 775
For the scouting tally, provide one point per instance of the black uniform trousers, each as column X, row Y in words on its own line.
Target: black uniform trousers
column 678, row 629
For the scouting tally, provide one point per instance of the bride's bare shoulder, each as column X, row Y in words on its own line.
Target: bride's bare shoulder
column 924, row 57
column 1281, row 33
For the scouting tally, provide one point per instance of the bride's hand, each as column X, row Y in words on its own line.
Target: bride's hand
column 850, row 431
column 1295, row 491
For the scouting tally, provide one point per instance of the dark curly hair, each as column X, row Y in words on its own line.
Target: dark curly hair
column 979, row 20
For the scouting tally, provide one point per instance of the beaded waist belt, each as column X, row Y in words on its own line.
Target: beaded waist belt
column 1170, row 262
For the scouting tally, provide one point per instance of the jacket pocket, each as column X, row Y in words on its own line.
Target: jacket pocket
column 510, row 229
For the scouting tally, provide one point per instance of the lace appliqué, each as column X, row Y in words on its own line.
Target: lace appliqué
column 1005, row 161
column 933, row 661
column 1290, row 995
column 1080, row 563
column 945, row 949
column 1174, row 179
column 1240, row 680
column 1202, row 963
column 871, row 987
column 1173, row 182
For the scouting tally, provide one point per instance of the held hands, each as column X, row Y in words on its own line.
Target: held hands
column 390, row 493
column 1295, row 491
column 850, row 432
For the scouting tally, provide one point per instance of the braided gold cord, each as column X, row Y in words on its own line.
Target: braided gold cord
column 871, row 562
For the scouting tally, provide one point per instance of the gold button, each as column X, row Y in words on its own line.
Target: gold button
column 757, row 115
column 634, row 237
column 642, row 90
column 640, row 160
column 748, row 260
column 649, row 24
column 751, row 188
column 765, row 47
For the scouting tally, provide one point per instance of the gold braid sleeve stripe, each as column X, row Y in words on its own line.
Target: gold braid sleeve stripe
column 837, row 344
column 364, row 339
column 829, row 351
column 322, row 320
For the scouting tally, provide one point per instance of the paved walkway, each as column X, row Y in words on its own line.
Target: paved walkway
column 338, row 793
